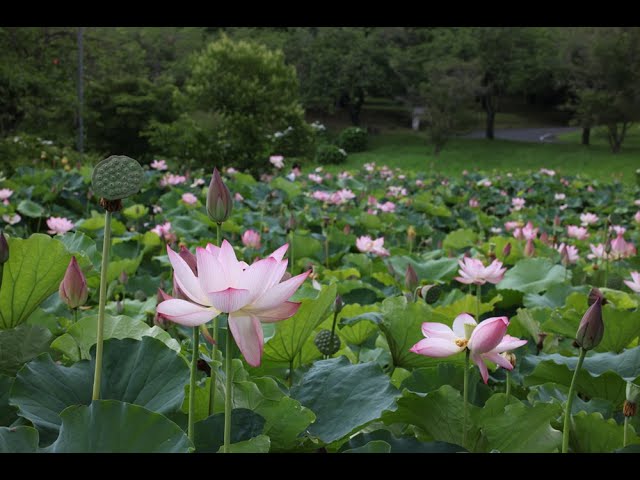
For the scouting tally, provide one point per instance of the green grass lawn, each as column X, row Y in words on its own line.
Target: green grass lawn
column 409, row 150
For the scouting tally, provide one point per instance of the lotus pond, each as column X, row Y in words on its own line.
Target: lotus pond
column 143, row 309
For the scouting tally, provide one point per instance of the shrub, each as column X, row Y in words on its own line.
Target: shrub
column 296, row 140
column 254, row 93
column 353, row 139
column 330, row 154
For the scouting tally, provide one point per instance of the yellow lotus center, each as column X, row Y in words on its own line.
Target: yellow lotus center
column 462, row 342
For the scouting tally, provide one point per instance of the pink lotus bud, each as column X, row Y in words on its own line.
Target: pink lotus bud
column 251, row 239
column 506, row 251
column 411, row 278
column 338, row 304
column 123, row 277
column 73, row 288
column 219, row 201
column 529, row 249
column 591, row 327
column 544, row 238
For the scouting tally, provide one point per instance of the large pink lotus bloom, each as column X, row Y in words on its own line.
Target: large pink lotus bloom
column 634, row 283
column 250, row 294
column 485, row 341
column 588, row 219
column 251, row 239
column 473, row 271
column 366, row 245
column 159, row 165
column 579, row 233
column 59, row 225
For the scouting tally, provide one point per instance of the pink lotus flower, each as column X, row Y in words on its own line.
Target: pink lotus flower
column 388, row 207
column 621, row 248
column 559, row 196
column 73, row 288
column 546, row 171
column 198, row 182
column 485, row 183
column 485, row 341
column 156, row 209
column 508, row 226
column 617, row 229
column 588, row 219
column 345, row 176
column 249, row 294
column 366, row 245
column 230, row 171
column 11, row 219
column 419, row 183
column 251, row 239
column 277, row 161
column 473, row 271
column 159, row 165
column 59, row 225
column 170, row 179
column 580, row 233
column 321, row 195
column 370, row 167
column 164, row 232
column 315, row 177
column 237, row 197
column 189, row 198
column 569, row 252
column 634, row 284
column 473, row 203
column 5, row 193
column 518, row 203
column 597, row 251
column 526, row 233
column 636, row 217
column 397, row 192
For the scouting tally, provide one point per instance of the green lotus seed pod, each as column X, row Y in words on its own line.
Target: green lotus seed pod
column 324, row 343
column 117, row 177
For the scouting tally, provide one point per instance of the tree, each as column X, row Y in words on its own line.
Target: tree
column 604, row 67
column 339, row 67
column 251, row 91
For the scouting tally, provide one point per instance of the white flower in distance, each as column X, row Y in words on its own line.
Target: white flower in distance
column 250, row 294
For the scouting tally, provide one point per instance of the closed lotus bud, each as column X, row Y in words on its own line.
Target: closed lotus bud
column 123, row 277
column 73, row 288
column 219, row 200
column 4, row 249
column 410, row 278
column 506, row 251
column 529, row 249
column 591, row 326
column 556, row 221
column 338, row 304
column 119, row 307
column 544, row 238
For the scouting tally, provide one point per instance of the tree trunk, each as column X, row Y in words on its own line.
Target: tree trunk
column 487, row 104
column 586, row 135
column 491, row 120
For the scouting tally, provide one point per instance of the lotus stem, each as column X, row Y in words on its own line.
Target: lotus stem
column 106, row 247
column 192, row 383
column 227, row 393
column 567, row 413
column 465, row 398
column 214, row 347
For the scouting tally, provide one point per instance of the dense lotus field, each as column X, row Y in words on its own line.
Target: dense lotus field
column 376, row 310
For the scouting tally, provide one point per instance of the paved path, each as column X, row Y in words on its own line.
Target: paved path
column 536, row 135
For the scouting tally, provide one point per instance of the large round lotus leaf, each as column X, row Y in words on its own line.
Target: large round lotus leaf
column 117, row 177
